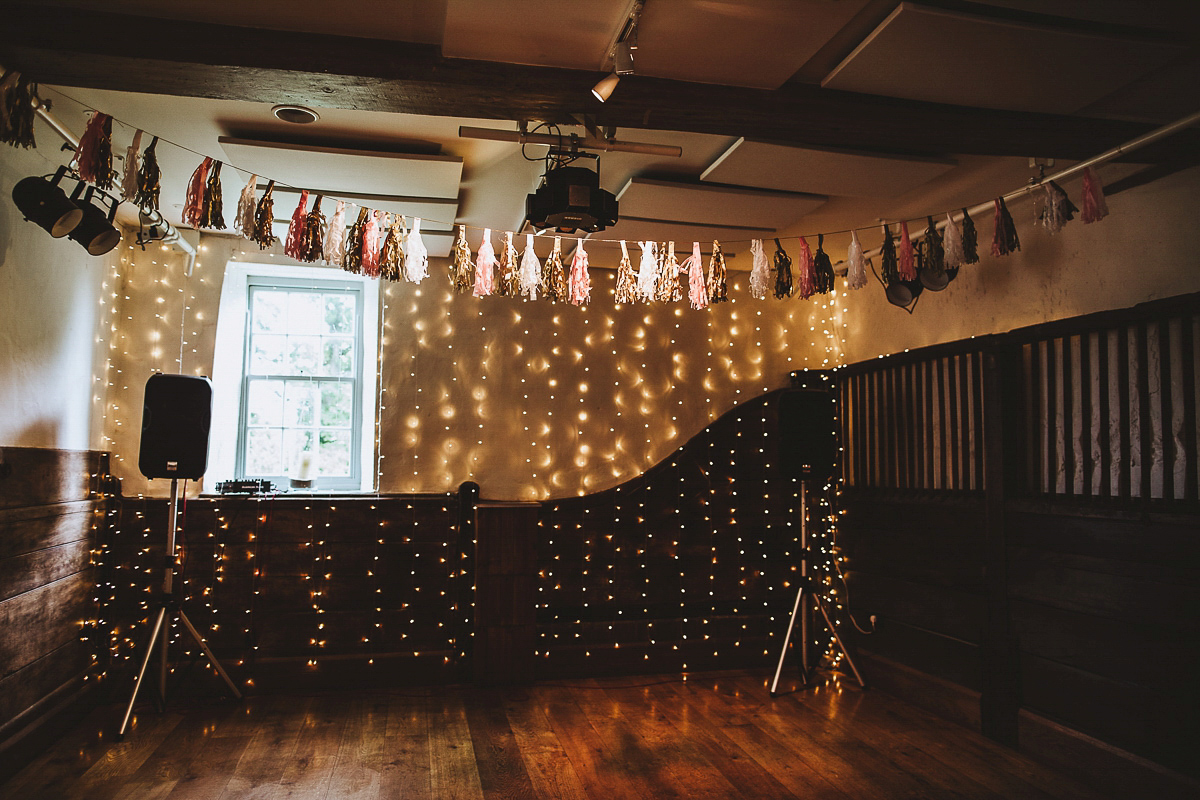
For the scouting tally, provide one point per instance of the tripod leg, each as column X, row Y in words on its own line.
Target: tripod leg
column 787, row 638
column 158, row 623
column 838, row 639
column 211, row 658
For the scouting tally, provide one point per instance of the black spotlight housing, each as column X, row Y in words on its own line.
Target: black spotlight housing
column 570, row 199
column 96, row 232
column 45, row 204
column 904, row 293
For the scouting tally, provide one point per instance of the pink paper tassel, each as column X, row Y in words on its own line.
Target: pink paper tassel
column 93, row 157
column 807, row 270
column 294, row 242
column 906, row 266
column 697, row 287
column 370, row 246
column 1095, row 208
column 581, row 282
column 193, row 205
column 485, row 266
column 856, row 269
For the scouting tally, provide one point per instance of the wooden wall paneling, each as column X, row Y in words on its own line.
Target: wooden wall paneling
column 44, row 476
column 1190, row 390
column 505, row 564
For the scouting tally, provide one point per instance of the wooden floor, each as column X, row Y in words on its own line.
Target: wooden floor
column 713, row 736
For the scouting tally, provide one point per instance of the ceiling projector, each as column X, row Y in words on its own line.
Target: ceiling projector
column 570, row 199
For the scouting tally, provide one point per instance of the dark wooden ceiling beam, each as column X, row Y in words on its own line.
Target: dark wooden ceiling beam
column 140, row 54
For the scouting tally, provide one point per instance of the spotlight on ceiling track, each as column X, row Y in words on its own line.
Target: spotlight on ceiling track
column 622, row 56
column 96, row 232
column 903, row 293
column 46, row 205
column 604, row 88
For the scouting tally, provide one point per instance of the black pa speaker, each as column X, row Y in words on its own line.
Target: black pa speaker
column 176, row 417
column 807, row 444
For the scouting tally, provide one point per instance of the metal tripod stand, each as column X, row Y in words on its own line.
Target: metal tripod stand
column 806, row 592
column 160, row 633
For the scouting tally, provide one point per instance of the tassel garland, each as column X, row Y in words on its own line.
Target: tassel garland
column 581, row 283
column 314, row 234
column 647, row 272
column 693, row 265
column 783, row 272
column 554, row 276
column 668, row 290
column 244, row 221
column 510, row 276
column 760, row 271
column 129, row 177
column 147, row 180
column 1059, row 210
column 970, row 240
column 193, row 205
column 823, row 267
column 531, row 270
column 718, row 276
column 264, row 216
column 212, row 207
column 485, row 266
column 952, row 244
column 806, row 276
column 93, row 157
column 416, row 255
column 352, row 259
column 856, row 267
column 905, row 266
column 1004, row 240
column 626, row 278
column 887, row 253
column 391, row 254
column 292, row 243
column 1095, row 207
column 17, row 97
column 370, row 245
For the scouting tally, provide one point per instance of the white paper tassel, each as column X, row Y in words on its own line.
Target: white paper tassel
column 952, row 243
column 693, row 265
column 856, row 266
column 760, row 271
column 416, row 256
column 647, row 272
column 133, row 159
column 333, row 249
column 244, row 222
column 485, row 266
column 531, row 270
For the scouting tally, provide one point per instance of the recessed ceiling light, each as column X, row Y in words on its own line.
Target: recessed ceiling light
column 298, row 115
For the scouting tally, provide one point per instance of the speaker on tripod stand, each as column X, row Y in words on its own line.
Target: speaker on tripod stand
column 808, row 452
column 176, row 418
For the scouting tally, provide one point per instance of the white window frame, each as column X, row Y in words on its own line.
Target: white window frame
column 229, row 361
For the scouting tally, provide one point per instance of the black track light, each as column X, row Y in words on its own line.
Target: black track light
column 44, row 203
column 96, row 231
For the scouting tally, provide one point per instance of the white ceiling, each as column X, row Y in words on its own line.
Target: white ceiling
column 984, row 59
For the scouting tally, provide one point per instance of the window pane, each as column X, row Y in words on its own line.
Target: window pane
column 338, row 357
column 269, row 312
column 337, row 404
column 303, row 354
column 297, row 442
column 300, row 404
column 334, row 460
column 304, row 312
column 264, row 404
column 339, row 313
column 264, row 451
column 266, row 354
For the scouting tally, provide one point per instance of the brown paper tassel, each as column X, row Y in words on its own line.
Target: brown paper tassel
column 147, row 180
column 352, row 261
column 212, row 206
column 313, row 238
column 554, row 275
column 93, row 157
column 509, row 266
column 17, row 97
column 264, row 216
column 783, row 272
column 823, row 267
column 1004, row 240
column 970, row 239
column 933, row 253
column 887, row 253
column 391, row 255
column 669, row 289
column 718, row 279
column 626, row 278
column 193, row 205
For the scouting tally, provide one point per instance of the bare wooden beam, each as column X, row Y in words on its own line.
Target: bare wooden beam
column 140, row 54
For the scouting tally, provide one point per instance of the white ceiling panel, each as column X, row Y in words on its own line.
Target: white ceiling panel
column 342, row 170
column 575, row 34
column 735, row 43
column 923, row 53
column 823, row 172
column 733, row 206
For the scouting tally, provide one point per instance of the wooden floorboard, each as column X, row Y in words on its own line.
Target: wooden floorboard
column 716, row 735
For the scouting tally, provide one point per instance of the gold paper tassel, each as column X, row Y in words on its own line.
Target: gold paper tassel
column 391, row 255
column 510, row 274
column 212, row 206
column 264, row 216
column 147, row 180
column 313, row 238
column 461, row 267
column 352, row 262
column 17, row 97
column 554, row 275
column 718, row 280
column 668, row 289
column 626, row 278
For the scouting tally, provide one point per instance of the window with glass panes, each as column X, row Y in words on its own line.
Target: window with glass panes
column 301, row 398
